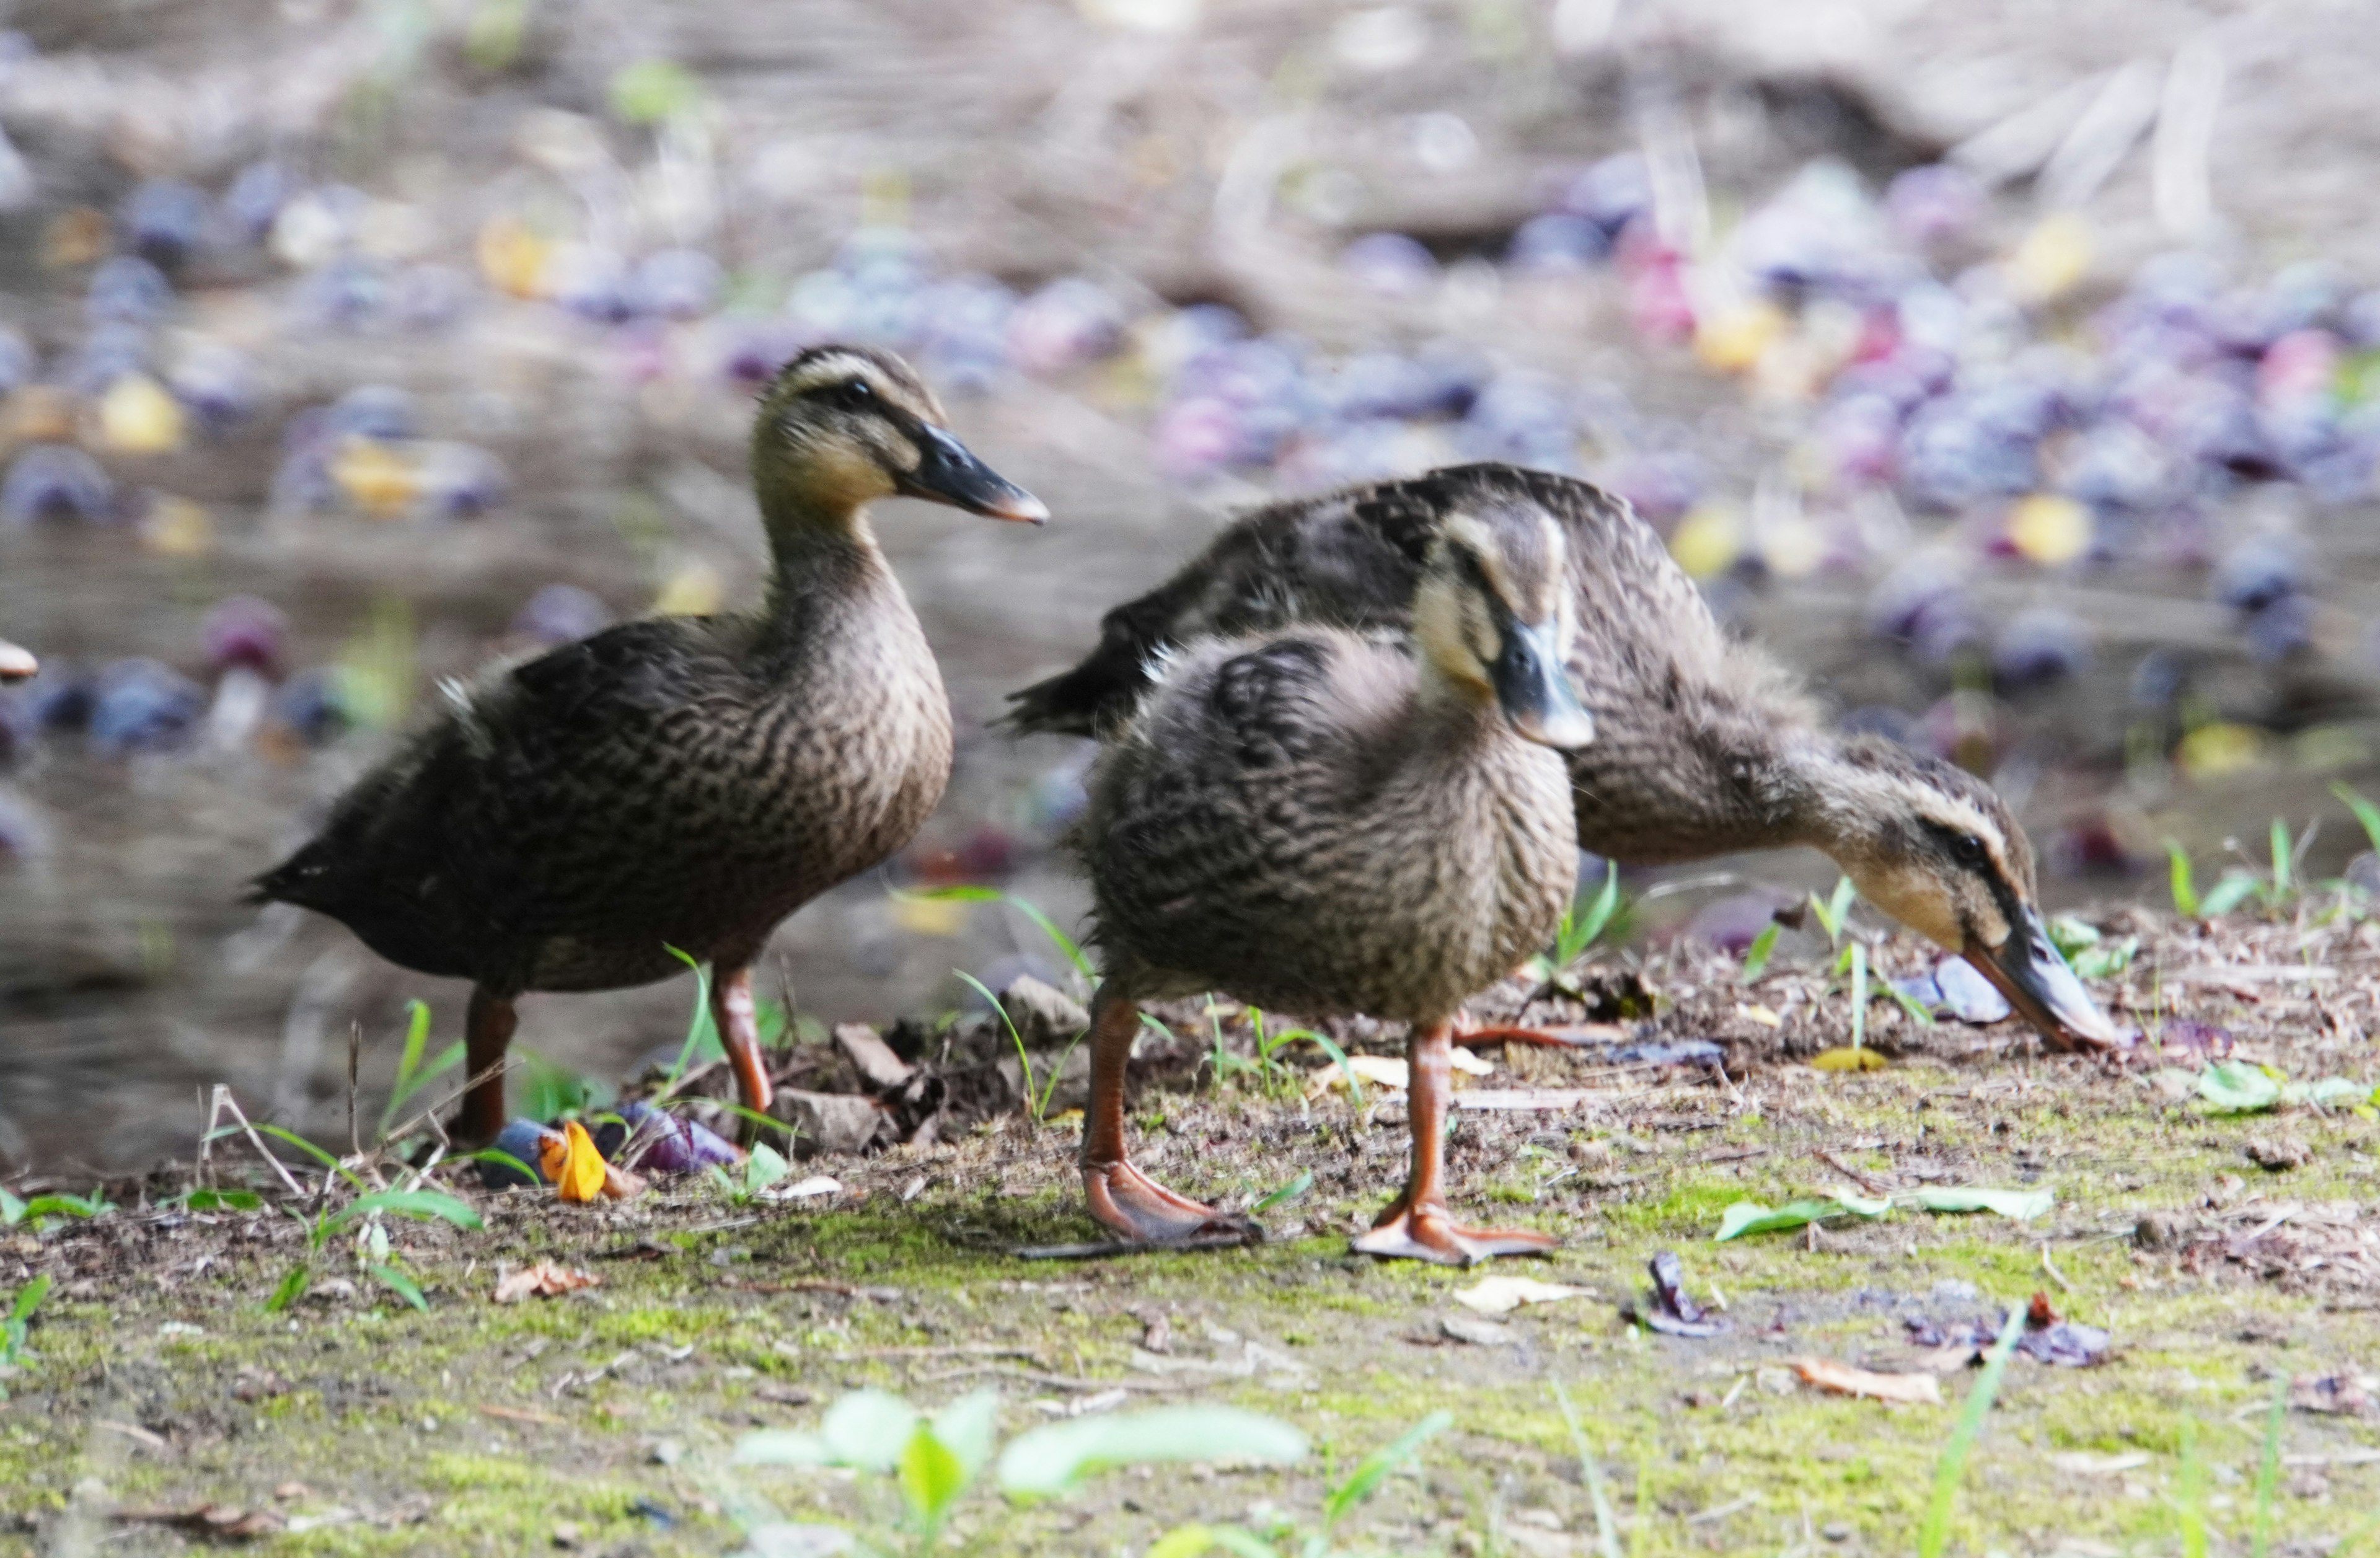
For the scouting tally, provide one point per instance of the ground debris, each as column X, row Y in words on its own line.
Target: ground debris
column 2344, row 1393
column 215, row 1521
column 543, row 1279
column 1668, row 1307
column 1920, row 1388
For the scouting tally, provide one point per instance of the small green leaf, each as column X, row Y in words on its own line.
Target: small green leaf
column 1048, row 1461
column 404, row 1287
column 1751, row 1217
column 932, row 1479
column 869, row 1430
column 2071, row 935
column 421, row 1204
column 12, row 1210
column 2021, row 1206
column 1184, row 1542
column 2365, row 812
column 764, row 1167
column 2238, row 1087
column 1286, row 1193
column 2235, row 888
column 967, row 1428
column 2284, row 861
column 653, row 90
column 223, row 1200
column 1374, row 1468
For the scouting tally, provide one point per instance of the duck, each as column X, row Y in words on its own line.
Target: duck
column 670, row 789
column 1321, row 820
column 16, row 665
column 1706, row 744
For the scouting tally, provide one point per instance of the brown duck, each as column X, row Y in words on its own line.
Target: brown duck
column 1321, row 822
column 684, row 783
column 1704, row 745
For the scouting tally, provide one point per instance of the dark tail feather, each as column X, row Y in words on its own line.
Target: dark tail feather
column 1082, row 702
column 299, row 880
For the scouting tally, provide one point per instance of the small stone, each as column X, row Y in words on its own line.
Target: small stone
column 1478, row 1333
column 1836, row 1530
column 2277, row 1154
column 665, row 1451
column 829, row 1122
column 1046, row 1017
column 2159, row 1230
column 568, row 1534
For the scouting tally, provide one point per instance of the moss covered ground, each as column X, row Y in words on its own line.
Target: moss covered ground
column 604, row 1420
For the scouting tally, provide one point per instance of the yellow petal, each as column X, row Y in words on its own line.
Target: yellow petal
column 2213, row 751
column 512, row 258
column 2049, row 529
column 2052, row 260
column 137, row 417
column 174, row 527
column 376, row 477
column 1847, row 1059
column 1732, row 339
column 581, row 1178
column 929, row 916
column 1707, row 540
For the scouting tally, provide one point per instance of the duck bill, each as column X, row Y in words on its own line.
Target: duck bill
column 2029, row 971
column 1533, row 691
column 949, row 472
column 15, row 664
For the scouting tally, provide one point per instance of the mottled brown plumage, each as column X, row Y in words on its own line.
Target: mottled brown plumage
column 1320, row 822
column 1704, row 745
column 680, row 783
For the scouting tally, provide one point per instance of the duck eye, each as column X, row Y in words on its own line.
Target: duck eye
column 1968, row 850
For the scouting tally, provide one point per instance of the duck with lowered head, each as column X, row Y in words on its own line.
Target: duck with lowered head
column 683, row 782
column 1704, row 745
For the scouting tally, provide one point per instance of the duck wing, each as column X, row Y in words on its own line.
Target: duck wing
column 1351, row 559
column 532, row 806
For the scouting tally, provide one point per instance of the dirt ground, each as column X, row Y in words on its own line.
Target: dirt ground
column 2227, row 1256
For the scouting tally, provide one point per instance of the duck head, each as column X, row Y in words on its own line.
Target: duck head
column 1930, row 845
column 1494, row 616
column 841, row 426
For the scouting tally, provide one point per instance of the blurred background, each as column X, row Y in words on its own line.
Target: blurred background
column 2014, row 369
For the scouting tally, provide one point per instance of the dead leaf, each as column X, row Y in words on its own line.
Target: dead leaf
column 1843, row 1379
column 1669, row 1307
column 544, row 1279
column 223, row 1522
column 2343, row 1394
column 1501, row 1295
column 1388, row 1071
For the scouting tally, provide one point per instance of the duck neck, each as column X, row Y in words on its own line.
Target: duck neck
column 823, row 567
column 1820, row 798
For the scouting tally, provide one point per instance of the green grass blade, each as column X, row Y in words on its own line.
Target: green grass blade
column 1023, row 1060
column 2284, row 861
column 2268, row 1471
column 1607, row 1527
column 2190, row 1493
column 1756, row 958
column 2365, row 812
column 2184, row 879
column 1935, row 1535
column 702, row 1020
column 404, row 1287
column 1859, row 995
column 29, row 1298
column 280, row 1133
column 1374, row 1468
column 291, row 1288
